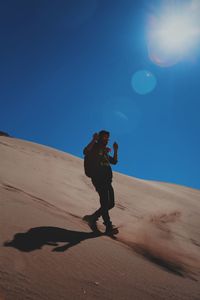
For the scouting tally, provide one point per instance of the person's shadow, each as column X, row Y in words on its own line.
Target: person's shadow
column 37, row 237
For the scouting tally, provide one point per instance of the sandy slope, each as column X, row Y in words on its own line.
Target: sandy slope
column 48, row 252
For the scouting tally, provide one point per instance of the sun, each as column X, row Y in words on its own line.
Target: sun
column 172, row 34
column 176, row 33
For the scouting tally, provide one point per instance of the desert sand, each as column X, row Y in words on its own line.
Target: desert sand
column 47, row 252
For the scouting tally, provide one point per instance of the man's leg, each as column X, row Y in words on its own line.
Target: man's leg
column 103, row 191
column 111, row 197
column 107, row 201
column 106, row 195
column 104, row 201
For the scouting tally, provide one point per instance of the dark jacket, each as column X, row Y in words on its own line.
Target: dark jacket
column 100, row 160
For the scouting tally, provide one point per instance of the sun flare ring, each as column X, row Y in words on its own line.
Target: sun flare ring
column 172, row 35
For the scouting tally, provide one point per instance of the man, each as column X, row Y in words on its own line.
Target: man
column 101, row 177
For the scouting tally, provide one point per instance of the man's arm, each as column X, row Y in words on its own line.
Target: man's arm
column 89, row 147
column 113, row 160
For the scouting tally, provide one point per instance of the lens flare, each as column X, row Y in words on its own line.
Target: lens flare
column 120, row 115
column 143, row 82
column 173, row 33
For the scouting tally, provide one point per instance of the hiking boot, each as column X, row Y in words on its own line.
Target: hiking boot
column 92, row 222
column 111, row 229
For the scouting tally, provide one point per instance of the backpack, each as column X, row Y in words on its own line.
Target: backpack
column 88, row 165
column 92, row 161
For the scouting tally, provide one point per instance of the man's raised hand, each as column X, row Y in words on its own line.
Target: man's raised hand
column 115, row 146
column 95, row 136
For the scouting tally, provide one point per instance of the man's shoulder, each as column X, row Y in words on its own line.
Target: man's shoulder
column 95, row 147
column 93, row 151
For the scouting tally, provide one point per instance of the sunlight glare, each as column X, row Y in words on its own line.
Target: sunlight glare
column 173, row 34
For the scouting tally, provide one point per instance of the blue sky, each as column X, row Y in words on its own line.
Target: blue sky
column 66, row 72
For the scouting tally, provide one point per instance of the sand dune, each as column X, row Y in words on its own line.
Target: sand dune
column 48, row 252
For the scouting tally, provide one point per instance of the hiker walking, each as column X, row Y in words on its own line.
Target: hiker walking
column 97, row 162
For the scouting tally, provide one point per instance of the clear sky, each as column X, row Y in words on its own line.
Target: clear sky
column 70, row 68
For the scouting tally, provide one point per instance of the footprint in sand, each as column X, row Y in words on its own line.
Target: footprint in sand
column 10, row 188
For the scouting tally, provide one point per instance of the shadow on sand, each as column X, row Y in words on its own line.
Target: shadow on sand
column 38, row 237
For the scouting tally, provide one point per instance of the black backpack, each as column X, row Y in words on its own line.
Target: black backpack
column 88, row 165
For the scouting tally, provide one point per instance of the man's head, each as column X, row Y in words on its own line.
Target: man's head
column 103, row 137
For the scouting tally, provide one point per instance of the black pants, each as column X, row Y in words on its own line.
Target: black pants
column 107, row 200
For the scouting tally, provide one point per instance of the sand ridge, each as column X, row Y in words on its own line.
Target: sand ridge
column 48, row 252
